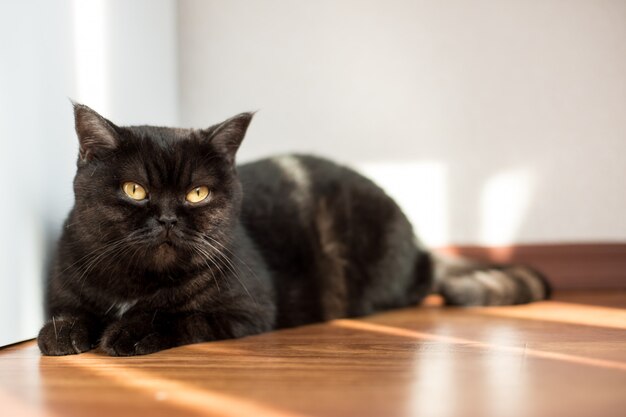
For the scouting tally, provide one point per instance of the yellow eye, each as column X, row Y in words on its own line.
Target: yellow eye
column 197, row 194
column 134, row 191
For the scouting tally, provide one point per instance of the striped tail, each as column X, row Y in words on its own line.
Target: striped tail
column 465, row 282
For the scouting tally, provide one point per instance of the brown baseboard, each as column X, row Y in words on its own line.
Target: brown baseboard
column 567, row 266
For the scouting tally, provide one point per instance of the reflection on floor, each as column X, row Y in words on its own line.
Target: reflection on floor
column 557, row 358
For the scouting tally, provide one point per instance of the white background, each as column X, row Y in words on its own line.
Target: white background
column 491, row 122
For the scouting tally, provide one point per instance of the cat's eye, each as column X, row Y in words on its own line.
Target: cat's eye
column 197, row 194
column 134, row 191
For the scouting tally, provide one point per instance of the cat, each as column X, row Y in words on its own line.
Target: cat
column 170, row 242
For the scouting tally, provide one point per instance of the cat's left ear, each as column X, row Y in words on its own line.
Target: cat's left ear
column 227, row 136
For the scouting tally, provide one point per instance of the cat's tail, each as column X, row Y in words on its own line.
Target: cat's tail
column 465, row 282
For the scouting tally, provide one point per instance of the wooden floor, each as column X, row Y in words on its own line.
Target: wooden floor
column 565, row 357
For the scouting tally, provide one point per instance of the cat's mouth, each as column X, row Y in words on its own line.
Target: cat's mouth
column 164, row 255
column 166, row 240
column 165, row 244
column 167, row 247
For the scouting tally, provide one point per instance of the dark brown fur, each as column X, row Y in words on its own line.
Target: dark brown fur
column 270, row 248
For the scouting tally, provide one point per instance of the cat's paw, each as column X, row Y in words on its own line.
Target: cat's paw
column 64, row 336
column 129, row 339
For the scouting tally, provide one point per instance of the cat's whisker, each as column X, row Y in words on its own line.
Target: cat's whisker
column 94, row 263
column 230, row 252
column 214, row 264
column 236, row 271
column 199, row 246
column 229, row 265
column 205, row 258
column 134, row 259
column 90, row 253
column 212, row 260
column 218, row 252
column 210, row 263
column 110, row 250
column 93, row 258
column 56, row 334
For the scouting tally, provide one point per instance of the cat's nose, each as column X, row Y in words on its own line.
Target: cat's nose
column 168, row 220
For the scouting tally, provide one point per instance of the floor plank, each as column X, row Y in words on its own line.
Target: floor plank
column 561, row 357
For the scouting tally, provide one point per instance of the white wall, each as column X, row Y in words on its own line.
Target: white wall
column 116, row 56
column 127, row 59
column 37, row 154
column 490, row 121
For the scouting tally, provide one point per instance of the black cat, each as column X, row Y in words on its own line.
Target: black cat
column 170, row 243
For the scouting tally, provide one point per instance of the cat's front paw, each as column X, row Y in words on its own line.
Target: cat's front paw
column 64, row 336
column 129, row 339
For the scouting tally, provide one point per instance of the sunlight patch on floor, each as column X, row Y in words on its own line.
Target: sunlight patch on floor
column 182, row 394
column 396, row 331
column 561, row 312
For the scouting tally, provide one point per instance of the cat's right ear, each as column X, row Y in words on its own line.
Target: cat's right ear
column 96, row 135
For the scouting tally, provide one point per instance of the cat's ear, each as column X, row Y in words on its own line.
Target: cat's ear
column 96, row 135
column 227, row 136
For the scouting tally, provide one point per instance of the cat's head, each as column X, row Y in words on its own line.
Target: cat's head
column 158, row 197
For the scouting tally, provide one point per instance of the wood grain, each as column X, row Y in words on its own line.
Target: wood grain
column 564, row 357
column 568, row 266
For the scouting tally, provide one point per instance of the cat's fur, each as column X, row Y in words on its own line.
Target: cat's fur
column 280, row 242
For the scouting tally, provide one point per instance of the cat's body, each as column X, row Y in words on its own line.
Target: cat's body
column 335, row 243
column 279, row 242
